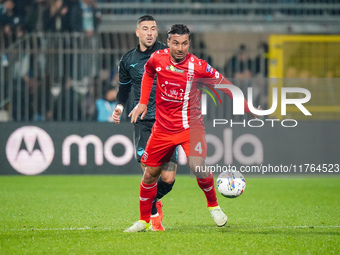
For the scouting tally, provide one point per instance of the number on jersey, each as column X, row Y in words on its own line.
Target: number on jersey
column 198, row 148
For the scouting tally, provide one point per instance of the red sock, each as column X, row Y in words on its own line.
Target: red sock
column 148, row 192
column 208, row 187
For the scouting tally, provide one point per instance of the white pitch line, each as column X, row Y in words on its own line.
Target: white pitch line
column 264, row 227
column 232, row 227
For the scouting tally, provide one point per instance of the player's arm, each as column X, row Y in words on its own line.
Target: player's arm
column 146, row 86
column 141, row 107
column 123, row 92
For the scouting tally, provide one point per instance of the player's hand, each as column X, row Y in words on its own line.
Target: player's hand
column 138, row 110
column 254, row 116
column 116, row 115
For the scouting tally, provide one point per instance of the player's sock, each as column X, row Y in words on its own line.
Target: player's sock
column 148, row 193
column 154, row 206
column 163, row 188
column 207, row 185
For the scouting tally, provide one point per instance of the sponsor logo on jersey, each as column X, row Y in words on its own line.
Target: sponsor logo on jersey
column 158, row 69
column 133, row 65
column 208, row 68
column 174, row 69
column 173, row 92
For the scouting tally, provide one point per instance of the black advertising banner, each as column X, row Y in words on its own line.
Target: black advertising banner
column 67, row 148
column 310, row 147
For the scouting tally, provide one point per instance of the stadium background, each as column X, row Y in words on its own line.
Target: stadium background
column 78, row 203
column 51, row 79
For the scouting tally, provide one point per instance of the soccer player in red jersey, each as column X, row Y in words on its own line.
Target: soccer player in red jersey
column 178, row 120
column 131, row 69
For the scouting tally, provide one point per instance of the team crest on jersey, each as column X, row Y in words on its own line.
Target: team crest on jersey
column 174, row 69
column 190, row 77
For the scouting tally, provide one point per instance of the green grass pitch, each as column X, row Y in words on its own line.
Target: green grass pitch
column 87, row 215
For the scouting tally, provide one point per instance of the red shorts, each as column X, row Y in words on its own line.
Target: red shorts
column 161, row 145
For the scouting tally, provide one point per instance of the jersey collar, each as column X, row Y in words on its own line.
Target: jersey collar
column 148, row 51
column 178, row 63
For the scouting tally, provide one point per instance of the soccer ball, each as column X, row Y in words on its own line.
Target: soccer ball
column 231, row 184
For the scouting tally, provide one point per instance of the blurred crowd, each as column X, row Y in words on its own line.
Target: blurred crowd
column 20, row 16
column 69, row 80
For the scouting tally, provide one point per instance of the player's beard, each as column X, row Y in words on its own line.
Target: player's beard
column 147, row 44
column 178, row 58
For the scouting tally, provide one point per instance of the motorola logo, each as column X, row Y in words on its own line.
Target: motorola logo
column 30, row 150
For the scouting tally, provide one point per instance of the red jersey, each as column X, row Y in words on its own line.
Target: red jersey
column 177, row 95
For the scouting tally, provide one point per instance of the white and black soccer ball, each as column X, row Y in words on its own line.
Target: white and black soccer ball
column 231, row 184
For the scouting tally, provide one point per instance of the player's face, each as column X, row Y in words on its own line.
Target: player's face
column 179, row 47
column 147, row 33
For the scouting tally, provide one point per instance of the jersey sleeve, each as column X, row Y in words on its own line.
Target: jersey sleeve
column 147, row 81
column 149, row 65
column 210, row 72
column 125, row 83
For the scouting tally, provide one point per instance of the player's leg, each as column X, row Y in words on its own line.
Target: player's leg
column 205, row 181
column 158, row 151
column 142, row 132
column 196, row 150
column 165, row 183
column 147, row 193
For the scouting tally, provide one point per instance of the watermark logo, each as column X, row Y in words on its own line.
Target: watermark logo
column 30, row 150
column 303, row 96
column 209, row 93
column 238, row 99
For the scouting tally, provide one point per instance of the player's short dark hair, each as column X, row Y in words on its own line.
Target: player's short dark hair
column 145, row 18
column 179, row 29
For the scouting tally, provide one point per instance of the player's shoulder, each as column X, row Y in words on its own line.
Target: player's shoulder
column 128, row 55
column 203, row 67
column 161, row 54
column 199, row 63
column 160, row 46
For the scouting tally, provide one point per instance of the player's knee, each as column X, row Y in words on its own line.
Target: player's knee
column 168, row 179
column 198, row 167
column 195, row 162
column 169, row 172
column 151, row 174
